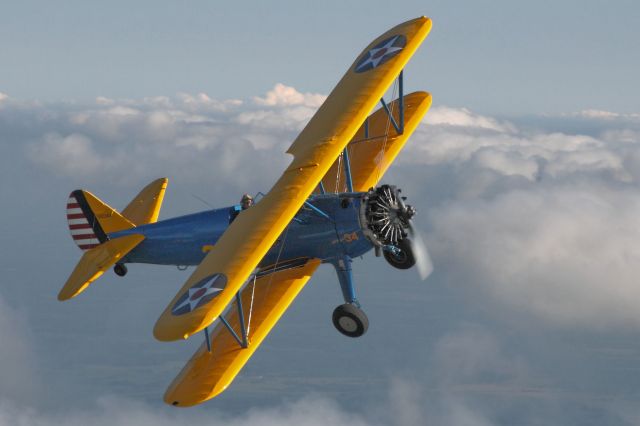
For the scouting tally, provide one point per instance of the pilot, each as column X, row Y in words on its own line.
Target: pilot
column 246, row 201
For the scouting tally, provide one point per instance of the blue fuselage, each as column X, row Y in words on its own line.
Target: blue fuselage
column 185, row 240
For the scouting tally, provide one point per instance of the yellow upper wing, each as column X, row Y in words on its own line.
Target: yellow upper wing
column 371, row 156
column 209, row 373
column 230, row 262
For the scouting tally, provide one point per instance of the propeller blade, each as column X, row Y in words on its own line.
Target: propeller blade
column 420, row 252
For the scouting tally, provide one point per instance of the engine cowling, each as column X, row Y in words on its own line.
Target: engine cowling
column 385, row 216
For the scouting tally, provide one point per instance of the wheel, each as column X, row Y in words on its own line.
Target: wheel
column 120, row 269
column 404, row 259
column 350, row 320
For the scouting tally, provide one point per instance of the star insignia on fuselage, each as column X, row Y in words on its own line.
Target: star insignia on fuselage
column 381, row 53
column 199, row 294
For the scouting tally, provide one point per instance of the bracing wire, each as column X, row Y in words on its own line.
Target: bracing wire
column 275, row 266
column 253, row 292
column 338, row 173
column 253, row 289
column 201, row 200
column 380, row 165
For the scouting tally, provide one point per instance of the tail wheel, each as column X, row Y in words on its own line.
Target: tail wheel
column 350, row 320
column 404, row 258
column 120, row 269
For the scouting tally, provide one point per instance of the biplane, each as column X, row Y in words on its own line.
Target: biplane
column 251, row 263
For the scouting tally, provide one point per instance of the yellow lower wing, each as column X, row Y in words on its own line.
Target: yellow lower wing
column 371, row 156
column 209, row 373
column 95, row 261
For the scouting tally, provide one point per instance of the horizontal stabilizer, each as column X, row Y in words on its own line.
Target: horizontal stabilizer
column 264, row 301
column 95, row 261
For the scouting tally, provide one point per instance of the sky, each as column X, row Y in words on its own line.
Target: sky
column 500, row 57
column 525, row 174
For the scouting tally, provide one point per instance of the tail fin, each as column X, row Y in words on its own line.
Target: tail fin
column 90, row 219
column 145, row 207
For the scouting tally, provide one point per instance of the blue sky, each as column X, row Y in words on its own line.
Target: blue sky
column 525, row 174
column 500, row 57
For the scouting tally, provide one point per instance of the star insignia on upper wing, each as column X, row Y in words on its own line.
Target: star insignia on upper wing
column 381, row 53
column 199, row 294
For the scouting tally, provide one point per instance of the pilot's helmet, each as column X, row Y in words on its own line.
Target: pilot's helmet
column 246, row 201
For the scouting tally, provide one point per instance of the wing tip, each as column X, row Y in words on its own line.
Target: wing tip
column 174, row 397
column 163, row 331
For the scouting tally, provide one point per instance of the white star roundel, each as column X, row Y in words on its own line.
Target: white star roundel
column 381, row 53
column 200, row 294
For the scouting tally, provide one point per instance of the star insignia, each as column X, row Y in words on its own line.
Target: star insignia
column 199, row 294
column 381, row 53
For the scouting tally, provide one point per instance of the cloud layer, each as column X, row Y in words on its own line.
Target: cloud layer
column 530, row 221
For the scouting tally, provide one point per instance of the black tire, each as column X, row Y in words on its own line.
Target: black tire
column 350, row 320
column 120, row 269
column 404, row 259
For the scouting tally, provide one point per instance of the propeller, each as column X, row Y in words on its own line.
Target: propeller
column 418, row 247
column 388, row 219
column 420, row 252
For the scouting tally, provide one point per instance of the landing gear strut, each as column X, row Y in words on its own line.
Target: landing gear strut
column 348, row 319
column 120, row 269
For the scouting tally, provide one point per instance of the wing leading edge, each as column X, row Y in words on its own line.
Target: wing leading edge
column 250, row 236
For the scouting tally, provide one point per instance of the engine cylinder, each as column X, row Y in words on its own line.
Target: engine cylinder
column 385, row 216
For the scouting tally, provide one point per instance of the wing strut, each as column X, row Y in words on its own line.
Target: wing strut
column 245, row 342
column 398, row 126
column 318, row 210
column 347, row 169
column 242, row 340
column 207, row 339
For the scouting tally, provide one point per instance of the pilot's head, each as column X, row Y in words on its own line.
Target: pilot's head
column 246, row 201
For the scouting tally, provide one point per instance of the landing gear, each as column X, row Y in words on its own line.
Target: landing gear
column 120, row 269
column 350, row 320
column 400, row 256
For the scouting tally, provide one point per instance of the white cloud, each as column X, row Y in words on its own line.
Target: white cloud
column 511, row 152
column 567, row 255
column 597, row 114
column 468, row 354
column 282, row 95
column 71, row 155
column 462, row 117
column 111, row 411
column 18, row 381
column 524, row 221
